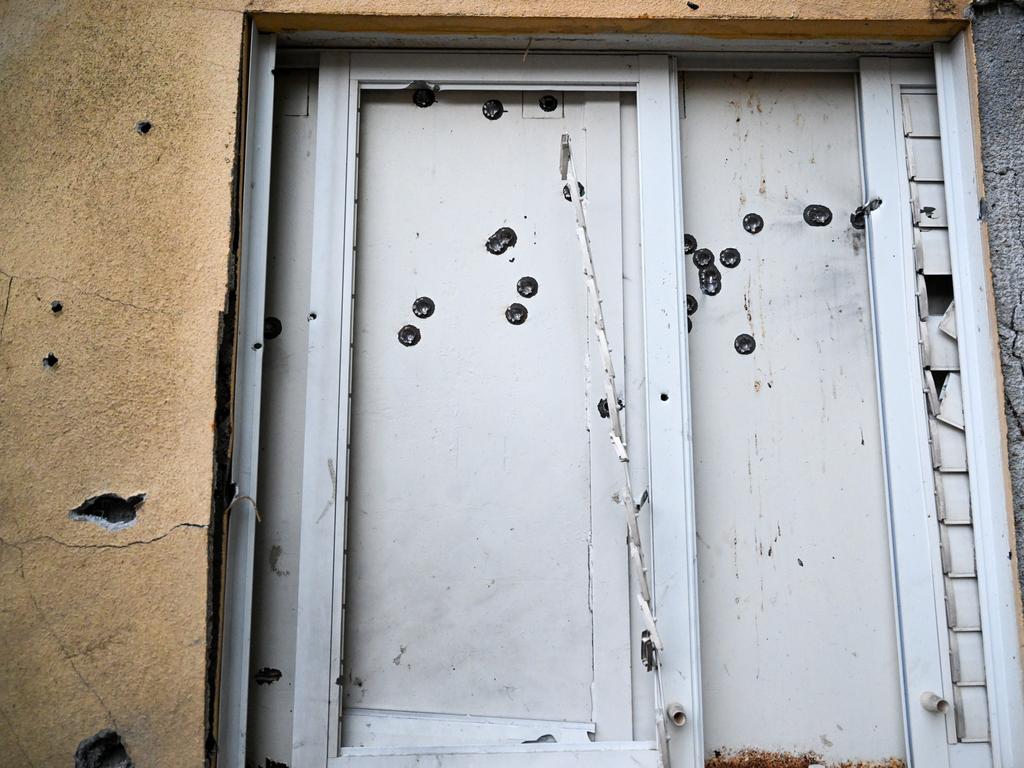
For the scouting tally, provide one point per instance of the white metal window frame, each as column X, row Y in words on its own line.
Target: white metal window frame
column 322, row 530
column 653, row 77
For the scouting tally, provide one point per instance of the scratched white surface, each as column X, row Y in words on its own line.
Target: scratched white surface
column 468, row 580
column 796, row 609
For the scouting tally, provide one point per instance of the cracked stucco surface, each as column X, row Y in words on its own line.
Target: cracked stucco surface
column 133, row 234
column 999, row 49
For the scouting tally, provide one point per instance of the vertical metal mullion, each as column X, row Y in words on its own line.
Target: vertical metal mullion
column 670, row 441
column 241, row 522
column 324, row 469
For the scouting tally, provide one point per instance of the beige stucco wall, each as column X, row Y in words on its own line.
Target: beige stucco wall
column 133, row 235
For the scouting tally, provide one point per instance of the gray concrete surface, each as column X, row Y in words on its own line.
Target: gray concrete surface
column 999, row 45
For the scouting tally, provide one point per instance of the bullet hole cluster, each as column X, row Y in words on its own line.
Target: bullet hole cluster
column 409, row 335
column 709, row 277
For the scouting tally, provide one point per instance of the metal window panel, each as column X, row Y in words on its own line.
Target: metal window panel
column 969, row 658
column 970, row 704
column 928, row 204
column 950, row 446
column 963, row 596
column 943, row 353
column 958, row 550
column 983, row 402
column 954, row 490
column 951, row 401
column 924, row 159
column 931, row 248
column 920, row 115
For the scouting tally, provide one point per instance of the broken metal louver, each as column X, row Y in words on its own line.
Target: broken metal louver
column 651, row 644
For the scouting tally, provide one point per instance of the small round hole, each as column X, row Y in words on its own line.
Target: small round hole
column 664, row 396
column 50, row 360
column 312, row 315
column 257, row 345
column 143, row 127
column 56, row 307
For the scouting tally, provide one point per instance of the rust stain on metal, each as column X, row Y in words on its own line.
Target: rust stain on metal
column 758, row 758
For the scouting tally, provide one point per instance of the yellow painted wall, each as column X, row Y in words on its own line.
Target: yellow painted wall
column 133, row 234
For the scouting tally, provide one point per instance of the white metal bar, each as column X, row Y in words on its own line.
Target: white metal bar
column 979, row 358
column 913, row 528
column 670, row 443
column 512, row 70
column 241, row 522
column 591, row 748
column 322, row 537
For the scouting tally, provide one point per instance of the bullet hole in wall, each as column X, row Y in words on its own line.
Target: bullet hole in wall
column 109, row 510
column 311, row 316
column 50, row 360
column 689, row 244
column 692, row 5
column 817, row 215
column 527, row 287
column 267, row 676
column 143, row 127
column 258, row 345
column 730, row 258
column 516, row 314
column 409, row 335
column 753, row 223
column 56, row 307
column 664, row 397
column 103, row 750
column 503, row 239
column 744, row 344
column 547, row 103
column 602, row 406
column 271, row 328
column 493, row 109
column 423, row 307
column 423, row 97
column 568, row 195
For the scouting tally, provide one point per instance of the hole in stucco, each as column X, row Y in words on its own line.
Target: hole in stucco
column 104, row 750
column 143, row 127
column 56, row 306
column 50, row 360
column 108, row 510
